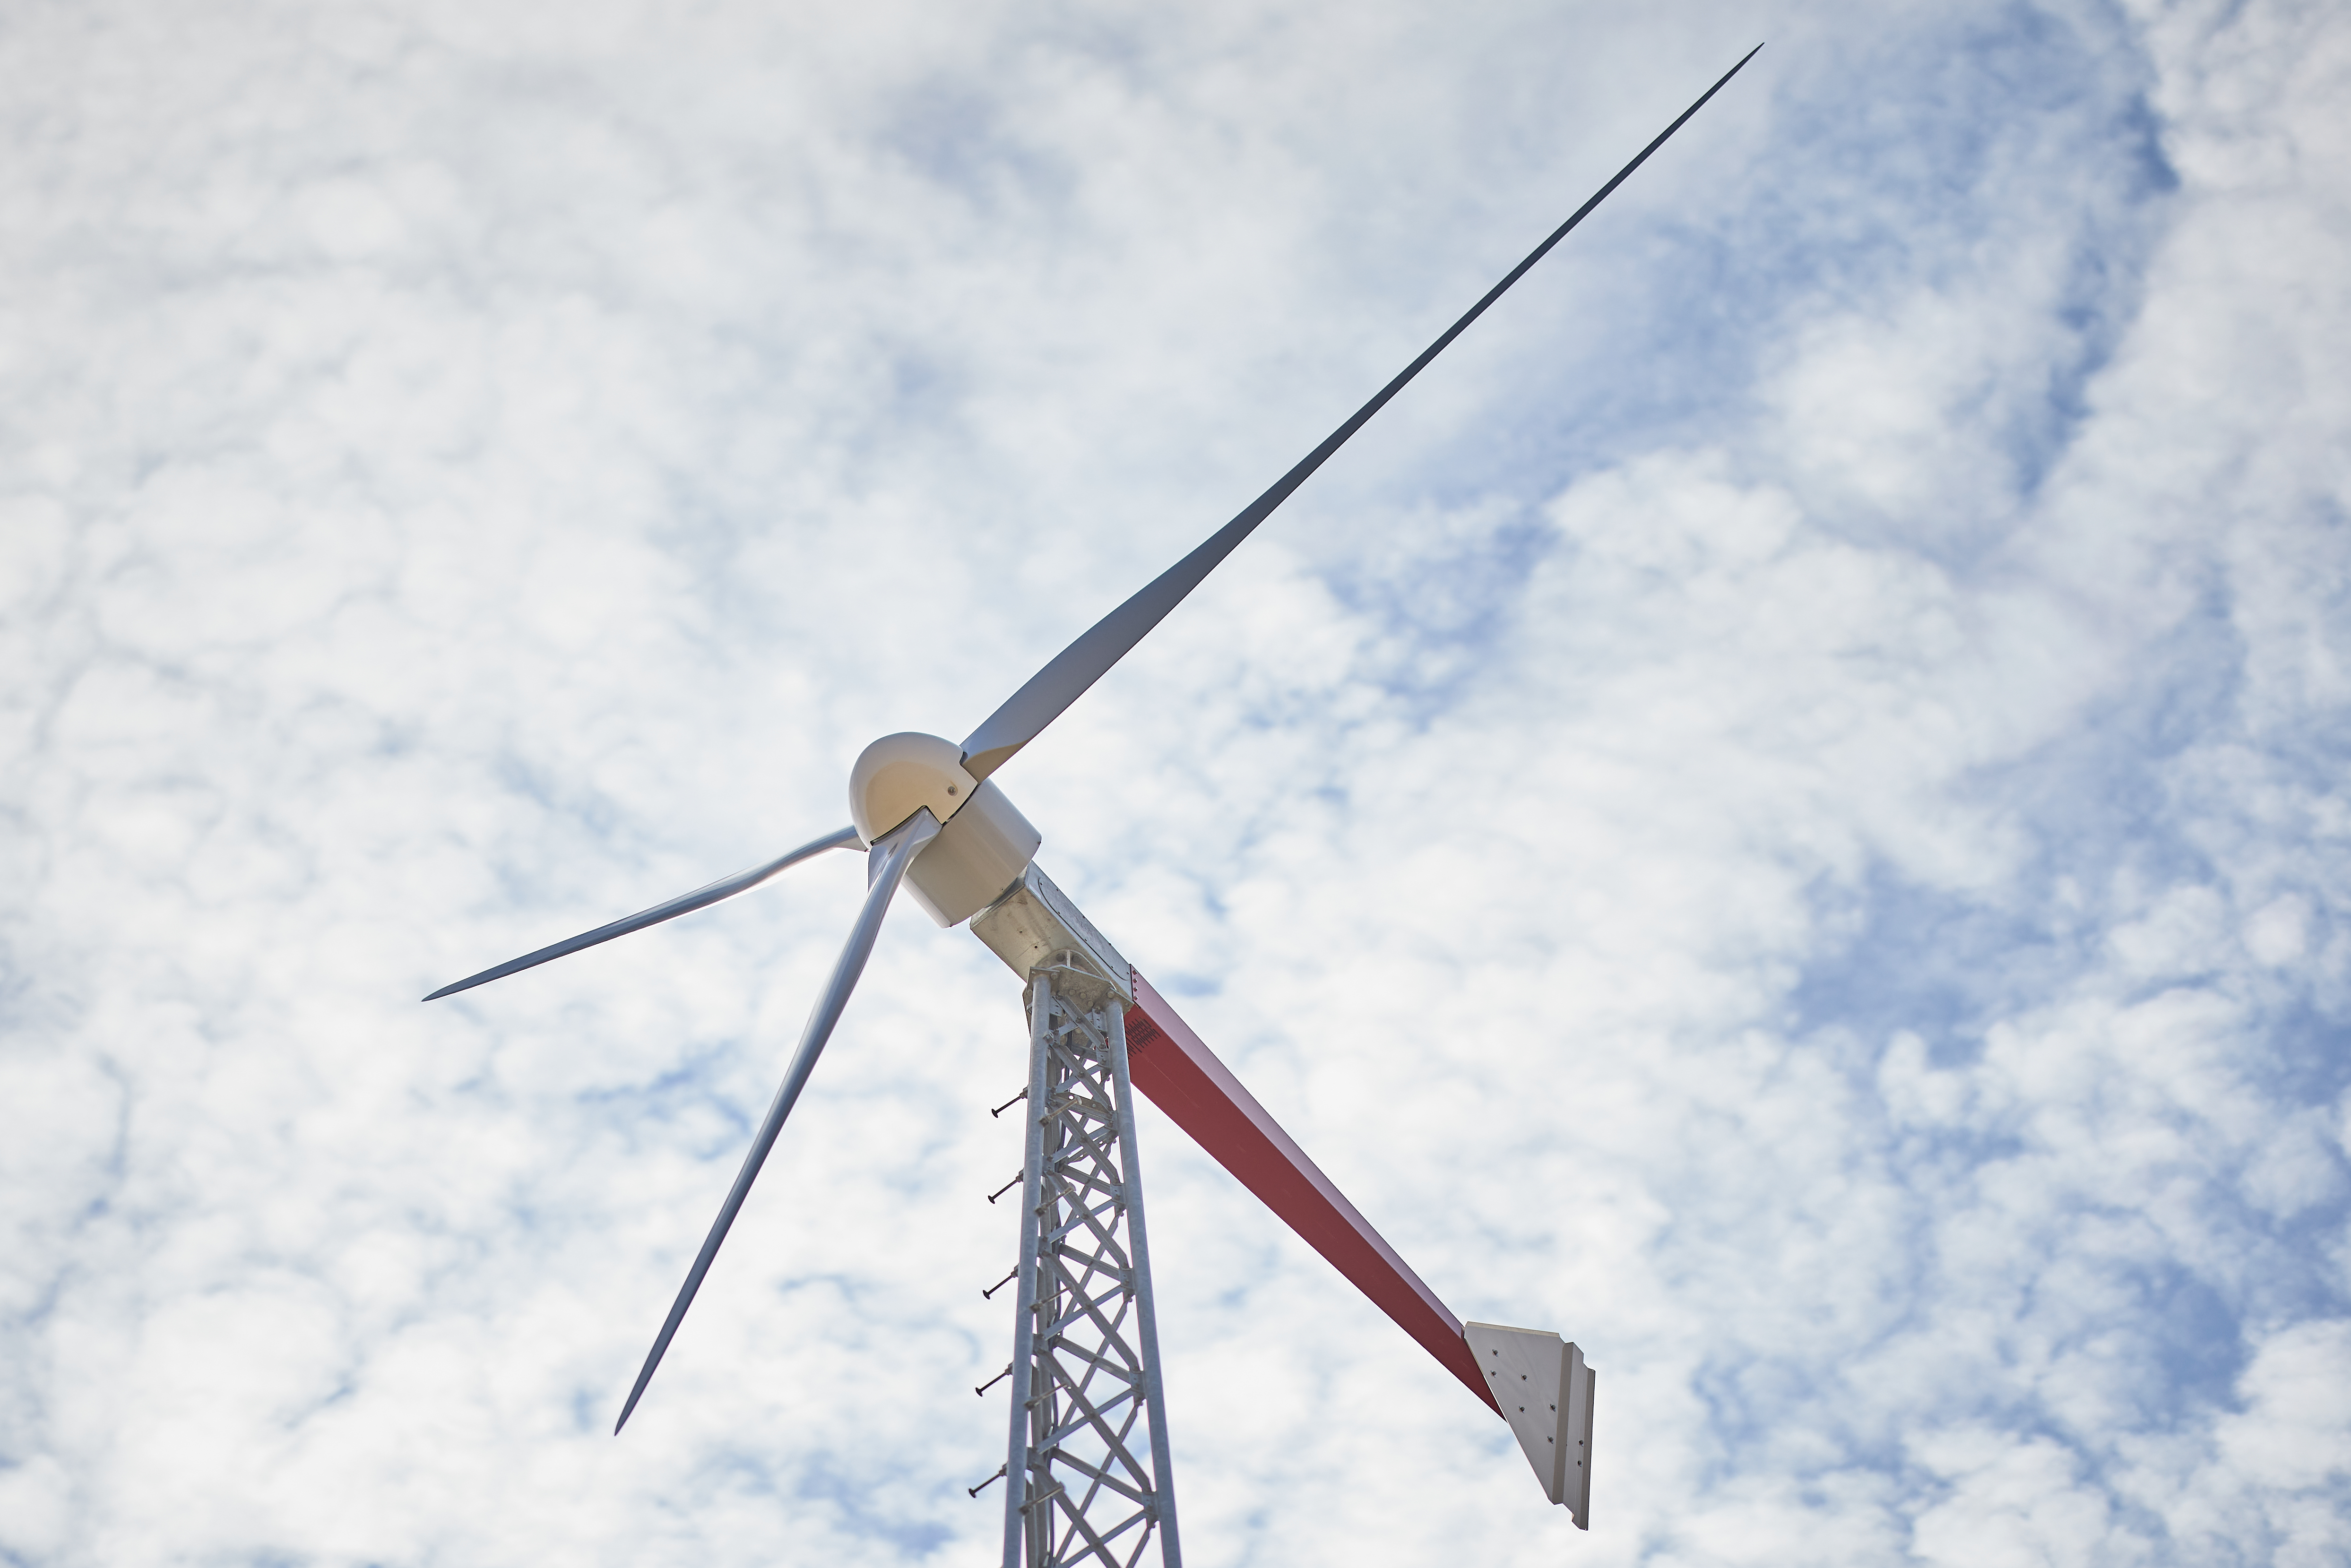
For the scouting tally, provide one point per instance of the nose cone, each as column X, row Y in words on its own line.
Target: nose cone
column 899, row 774
column 984, row 843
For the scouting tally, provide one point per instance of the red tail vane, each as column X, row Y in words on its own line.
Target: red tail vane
column 1183, row 1077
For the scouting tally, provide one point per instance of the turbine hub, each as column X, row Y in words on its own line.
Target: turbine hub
column 899, row 774
column 984, row 843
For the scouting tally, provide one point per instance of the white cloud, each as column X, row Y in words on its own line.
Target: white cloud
column 1781, row 814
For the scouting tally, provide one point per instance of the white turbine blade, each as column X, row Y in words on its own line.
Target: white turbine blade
column 890, row 855
column 1052, row 689
column 685, row 903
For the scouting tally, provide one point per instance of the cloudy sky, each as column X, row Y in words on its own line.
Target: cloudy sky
column 1783, row 813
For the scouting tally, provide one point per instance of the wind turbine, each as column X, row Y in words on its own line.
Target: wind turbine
column 1085, row 1369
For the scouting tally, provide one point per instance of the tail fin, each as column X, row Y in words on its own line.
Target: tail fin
column 1544, row 1388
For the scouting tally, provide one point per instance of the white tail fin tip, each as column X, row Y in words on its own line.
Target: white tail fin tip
column 1544, row 1388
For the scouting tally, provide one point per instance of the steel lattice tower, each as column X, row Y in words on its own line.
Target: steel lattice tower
column 1087, row 1472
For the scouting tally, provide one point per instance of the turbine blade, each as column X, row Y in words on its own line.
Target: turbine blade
column 1052, row 689
column 892, row 854
column 685, row 903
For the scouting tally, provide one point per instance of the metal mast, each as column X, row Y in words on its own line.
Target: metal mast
column 1087, row 1468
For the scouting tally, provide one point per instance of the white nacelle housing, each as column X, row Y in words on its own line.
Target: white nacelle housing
column 985, row 843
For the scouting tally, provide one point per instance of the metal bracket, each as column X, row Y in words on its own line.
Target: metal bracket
column 1034, row 926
